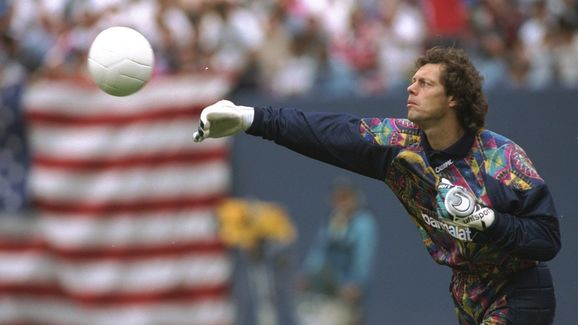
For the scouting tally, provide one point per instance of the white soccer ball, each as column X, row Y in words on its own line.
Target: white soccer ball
column 120, row 61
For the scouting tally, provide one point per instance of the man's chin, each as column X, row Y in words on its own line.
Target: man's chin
column 414, row 120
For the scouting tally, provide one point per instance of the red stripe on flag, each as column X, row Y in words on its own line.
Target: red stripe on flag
column 211, row 247
column 217, row 292
column 36, row 116
column 90, row 209
column 157, row 159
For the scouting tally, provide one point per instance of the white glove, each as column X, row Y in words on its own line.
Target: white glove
column 461, row 207
column 222, row 119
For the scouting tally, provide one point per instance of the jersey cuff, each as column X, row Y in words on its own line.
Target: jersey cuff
column 256, row 127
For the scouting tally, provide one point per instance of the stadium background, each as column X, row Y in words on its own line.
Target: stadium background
column 80, row 246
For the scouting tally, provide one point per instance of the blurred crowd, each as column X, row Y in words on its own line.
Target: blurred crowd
column 297, row 47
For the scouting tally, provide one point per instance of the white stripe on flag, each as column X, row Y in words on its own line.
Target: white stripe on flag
column 66, row 97
column 39, row 310
column 146, row 228
column 114, row 141
column 104, row 276
column 117, row 185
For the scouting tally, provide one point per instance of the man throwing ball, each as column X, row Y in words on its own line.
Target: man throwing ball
column 474, row 195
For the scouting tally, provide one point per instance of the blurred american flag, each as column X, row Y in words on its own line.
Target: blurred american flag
column 124, row 230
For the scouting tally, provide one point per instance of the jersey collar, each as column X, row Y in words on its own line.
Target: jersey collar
column 458, row 150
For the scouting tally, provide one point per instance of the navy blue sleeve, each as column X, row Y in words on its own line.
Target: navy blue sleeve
column 329, row 137
column 526, row 223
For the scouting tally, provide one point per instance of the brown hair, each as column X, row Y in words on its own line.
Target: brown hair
column 461, row 80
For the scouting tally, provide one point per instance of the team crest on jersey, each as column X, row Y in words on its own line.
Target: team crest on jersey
column 523, row 164
column 404, row 124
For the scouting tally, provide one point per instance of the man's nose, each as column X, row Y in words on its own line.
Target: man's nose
column 411, row 88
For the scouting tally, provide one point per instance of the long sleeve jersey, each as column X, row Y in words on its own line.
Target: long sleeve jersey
column 396, row 151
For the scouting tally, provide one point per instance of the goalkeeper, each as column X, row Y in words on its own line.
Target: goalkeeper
column 474, row 195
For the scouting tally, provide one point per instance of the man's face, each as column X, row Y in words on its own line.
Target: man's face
column 427, row 103
column 345, row 199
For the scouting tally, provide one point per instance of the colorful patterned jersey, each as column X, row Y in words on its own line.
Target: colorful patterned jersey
column 489, row 165
column 495, row 169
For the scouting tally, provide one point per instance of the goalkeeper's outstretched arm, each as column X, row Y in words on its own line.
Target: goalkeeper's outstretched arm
column 329, row 137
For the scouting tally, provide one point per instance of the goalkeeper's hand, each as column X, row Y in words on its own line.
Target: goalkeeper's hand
column 222, row 119
column 458, row 206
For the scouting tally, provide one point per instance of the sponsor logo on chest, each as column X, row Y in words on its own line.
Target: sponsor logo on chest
column 461, row 233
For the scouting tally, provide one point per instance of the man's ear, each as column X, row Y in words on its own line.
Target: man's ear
column 452, row 102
